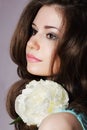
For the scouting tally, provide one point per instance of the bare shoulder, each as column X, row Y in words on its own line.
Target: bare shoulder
column 60, row 121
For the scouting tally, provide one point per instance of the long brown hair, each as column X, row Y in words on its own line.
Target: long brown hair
column 72, row 52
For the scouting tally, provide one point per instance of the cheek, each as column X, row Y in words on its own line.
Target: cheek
column 56, row 65
column 27, row 47
column 53, row 61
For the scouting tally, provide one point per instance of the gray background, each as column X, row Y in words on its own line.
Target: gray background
column 10, row 11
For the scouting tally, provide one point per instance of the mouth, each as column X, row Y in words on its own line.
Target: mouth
column 32, row 58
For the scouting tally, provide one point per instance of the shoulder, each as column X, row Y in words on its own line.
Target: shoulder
column 60, row 121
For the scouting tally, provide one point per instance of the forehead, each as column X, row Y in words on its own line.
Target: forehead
column 49, row 15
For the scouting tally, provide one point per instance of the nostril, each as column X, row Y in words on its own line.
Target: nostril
column 36, row 45
column 32, row 44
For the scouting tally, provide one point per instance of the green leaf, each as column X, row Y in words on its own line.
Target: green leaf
column 16, row 120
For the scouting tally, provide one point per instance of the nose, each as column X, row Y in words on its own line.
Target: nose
column 33, row 43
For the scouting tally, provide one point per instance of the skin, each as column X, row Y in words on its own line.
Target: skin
column 40, row 52
column 60, row 121
column 43, row 42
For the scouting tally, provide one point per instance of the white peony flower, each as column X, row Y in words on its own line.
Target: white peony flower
column 39, row 99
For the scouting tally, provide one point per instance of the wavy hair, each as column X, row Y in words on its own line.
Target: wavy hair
column 72, row 51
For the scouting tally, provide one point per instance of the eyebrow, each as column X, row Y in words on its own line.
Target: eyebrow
column 47, row 26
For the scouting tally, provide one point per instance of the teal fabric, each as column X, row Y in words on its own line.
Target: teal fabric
column 81, row 117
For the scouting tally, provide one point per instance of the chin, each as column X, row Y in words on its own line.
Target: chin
column 37, row 71
column 33, row 71
column 38, row 74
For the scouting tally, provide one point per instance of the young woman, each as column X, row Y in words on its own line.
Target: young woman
column 50, row 42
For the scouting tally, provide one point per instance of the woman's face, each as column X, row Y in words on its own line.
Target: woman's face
column 42, row 45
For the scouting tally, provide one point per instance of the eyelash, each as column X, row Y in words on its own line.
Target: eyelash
column 33, row 31
column 50, row 36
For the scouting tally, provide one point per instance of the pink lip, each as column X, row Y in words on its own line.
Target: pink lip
column 32, row 58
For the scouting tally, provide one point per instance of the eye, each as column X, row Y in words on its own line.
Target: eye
column 33, row 31
column 52, row 36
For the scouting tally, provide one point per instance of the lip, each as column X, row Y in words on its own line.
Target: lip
column 32, row 58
